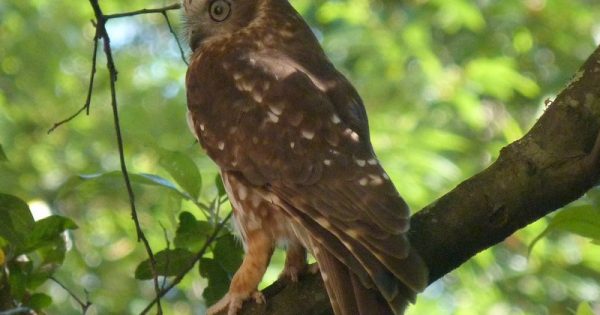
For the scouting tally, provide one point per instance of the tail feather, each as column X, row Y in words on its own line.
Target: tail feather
column 347, row 293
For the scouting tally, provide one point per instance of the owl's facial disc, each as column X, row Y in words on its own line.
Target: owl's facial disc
column 206, row 19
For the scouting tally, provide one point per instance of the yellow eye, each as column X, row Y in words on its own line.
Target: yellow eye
column 219, row 10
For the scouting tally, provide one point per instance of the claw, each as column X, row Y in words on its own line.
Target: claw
column 258, row 297
column 290, row 273
column 233, row 303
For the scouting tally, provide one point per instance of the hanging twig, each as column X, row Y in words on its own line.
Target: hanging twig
column 88, row 99
column 84, row 305
column 176, row 38
column 106, row 17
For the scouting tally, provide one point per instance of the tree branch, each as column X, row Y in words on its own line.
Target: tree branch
column 556, row 162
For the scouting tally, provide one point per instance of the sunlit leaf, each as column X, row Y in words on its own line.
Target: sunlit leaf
column 116, row 177
column 47, row 230
column 183, row 170
column 16, row 220
column 191, row 234
column 169, row 262
column 582, row 220
column 584, row 309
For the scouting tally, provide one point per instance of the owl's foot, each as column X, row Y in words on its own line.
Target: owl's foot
column 291, row 273
column 232, row 302
column 295, row 262
column 313, row 268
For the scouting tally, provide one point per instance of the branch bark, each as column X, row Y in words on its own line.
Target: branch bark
column 555, row 163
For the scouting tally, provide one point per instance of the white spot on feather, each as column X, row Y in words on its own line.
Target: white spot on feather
column 276, row 110
column 360, row 163
column 372, row 161
column 257, row 96
column 376, row 180
column 221, row 145
column 354, row 136
column 308, row 134
column 242, row 192
column 292, row 144
column 202, row 127
column 272, row 117
column 335, row 119
column 327, row 162
column 255, row 199
column 363, row 181
column 385, row 176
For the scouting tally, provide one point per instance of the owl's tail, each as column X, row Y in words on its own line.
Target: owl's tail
column 349, row 296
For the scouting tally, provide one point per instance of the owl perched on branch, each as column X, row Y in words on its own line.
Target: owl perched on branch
column 291, row 138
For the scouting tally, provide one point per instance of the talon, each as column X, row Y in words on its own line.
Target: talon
column 290, row 273
column 313, row 269
column 258, row 297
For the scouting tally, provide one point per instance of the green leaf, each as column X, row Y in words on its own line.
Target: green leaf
column 3, row 157
column 48, row 258
column 581, row 220
column 16, row 221
column 219, row 185
column 17, row 280
column 219, row 270
column 47, row 230
column 229, row 253
column 584, row 309
column 116, row 177
column 191, row 234
column 169, row 262
column 183, row 170
column 218, row 280
column 39, row 301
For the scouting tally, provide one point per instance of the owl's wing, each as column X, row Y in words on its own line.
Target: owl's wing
column 306, row 141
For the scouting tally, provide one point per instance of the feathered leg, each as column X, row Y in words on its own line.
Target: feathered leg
column 259, row 248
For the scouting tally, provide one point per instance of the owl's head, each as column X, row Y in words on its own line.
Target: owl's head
column 208, row 19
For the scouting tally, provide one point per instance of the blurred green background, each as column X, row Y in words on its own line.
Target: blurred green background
column 447, row 83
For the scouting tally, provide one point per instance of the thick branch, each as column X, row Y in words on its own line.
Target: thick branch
column 553, row 164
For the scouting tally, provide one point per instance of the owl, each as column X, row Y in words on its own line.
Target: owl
column 290, row 136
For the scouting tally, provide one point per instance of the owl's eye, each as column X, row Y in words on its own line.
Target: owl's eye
column 219, row 10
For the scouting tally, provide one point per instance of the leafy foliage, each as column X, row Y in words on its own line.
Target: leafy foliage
column 31, row 251
column 447, row 83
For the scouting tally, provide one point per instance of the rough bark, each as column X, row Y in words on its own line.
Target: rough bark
column 556, row 162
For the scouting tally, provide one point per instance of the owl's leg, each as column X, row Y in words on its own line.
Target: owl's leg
column 295, row 261
column 259, row 248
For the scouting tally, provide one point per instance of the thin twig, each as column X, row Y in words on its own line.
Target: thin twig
column 176, row 38
column 191, row 265
column 16, row 311
column 88, row 99
column 174, row 6
column 102, row 33
column 164, row 282
column 84, row 305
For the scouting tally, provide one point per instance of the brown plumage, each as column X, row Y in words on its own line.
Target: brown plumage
column 291, row 137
